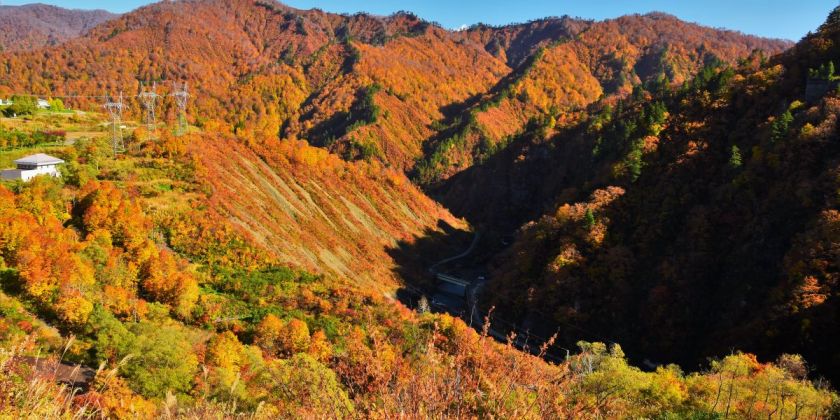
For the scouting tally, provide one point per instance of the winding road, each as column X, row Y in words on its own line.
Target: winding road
column 467, row 252
column 449, row 301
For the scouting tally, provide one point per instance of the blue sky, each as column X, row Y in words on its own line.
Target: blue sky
column 772, row 18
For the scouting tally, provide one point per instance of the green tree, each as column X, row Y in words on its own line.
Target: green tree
column 780, row 127
column 735, row 157
column 160, row 359
column 56, row 105
column 307, row 388
column 633, row 161
column 654, row 118
column 589, row 219
column 22, row 105
column 112, row 340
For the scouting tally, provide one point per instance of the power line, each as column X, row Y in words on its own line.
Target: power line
column 181, row 96
column 176, row 93
column 115, row 109
column 148, row 99
column 67, row 96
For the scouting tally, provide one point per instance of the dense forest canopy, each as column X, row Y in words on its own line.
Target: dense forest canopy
column 655, row 199
column 37, row 25
column 679, row 220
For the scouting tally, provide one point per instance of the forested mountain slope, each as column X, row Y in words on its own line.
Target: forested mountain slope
column 286, row 72
column 247, row 267
column 395, row 89
column 563, row 65
column 37, row 25
column 681, row 221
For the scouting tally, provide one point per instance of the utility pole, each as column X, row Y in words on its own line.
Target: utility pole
column 115, row 109
column 148, row 99
column 181, row 96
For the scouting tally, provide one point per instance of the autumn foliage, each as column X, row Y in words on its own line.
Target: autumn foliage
column 653, row 183
column 720, row 237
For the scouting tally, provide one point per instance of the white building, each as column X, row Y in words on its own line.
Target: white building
column 32, row 166
column 5, row 102
column 43, row 104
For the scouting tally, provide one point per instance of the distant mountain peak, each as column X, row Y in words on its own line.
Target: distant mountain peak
column 36, row 25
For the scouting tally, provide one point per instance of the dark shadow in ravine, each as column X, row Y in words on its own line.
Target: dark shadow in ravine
column 521, row 182
column 464, row 255
column 413, row 259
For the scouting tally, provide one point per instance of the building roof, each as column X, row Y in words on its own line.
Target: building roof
column 39, row 159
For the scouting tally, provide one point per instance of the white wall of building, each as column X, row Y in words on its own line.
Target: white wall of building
column 27, row 174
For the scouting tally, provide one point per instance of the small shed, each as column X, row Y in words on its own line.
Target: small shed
column 32, row 166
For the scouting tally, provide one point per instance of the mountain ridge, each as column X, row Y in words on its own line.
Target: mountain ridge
column 639, row 182
column 685, row 221
column 36, row 25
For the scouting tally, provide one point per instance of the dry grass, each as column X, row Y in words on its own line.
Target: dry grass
column 28, row 393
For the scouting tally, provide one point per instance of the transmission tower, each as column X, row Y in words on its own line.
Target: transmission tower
column 115, row 109
column 148, row 99
column 181, row 96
